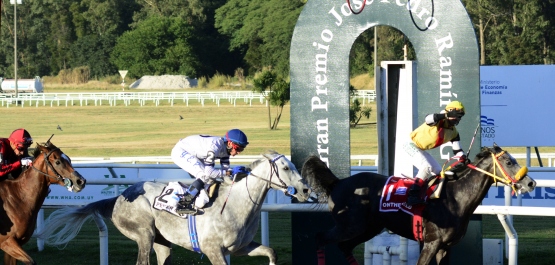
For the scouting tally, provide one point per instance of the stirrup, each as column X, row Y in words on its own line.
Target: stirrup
column 415, row 200
column 185, row 209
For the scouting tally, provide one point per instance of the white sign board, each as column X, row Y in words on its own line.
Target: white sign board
column 123, row 73
column 516, row 105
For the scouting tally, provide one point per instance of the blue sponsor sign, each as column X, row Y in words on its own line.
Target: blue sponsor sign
column 515, row 102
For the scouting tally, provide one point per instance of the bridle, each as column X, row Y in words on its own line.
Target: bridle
column 273, row 172
column 57, row 176
column 505, row 178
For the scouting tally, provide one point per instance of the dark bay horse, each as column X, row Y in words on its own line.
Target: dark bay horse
column 220, row 231
column 23, row 196
column 354, row 203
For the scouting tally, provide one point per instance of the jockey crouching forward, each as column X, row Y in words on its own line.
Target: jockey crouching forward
column 436, row 130
column 197, row 154
column 14, row 153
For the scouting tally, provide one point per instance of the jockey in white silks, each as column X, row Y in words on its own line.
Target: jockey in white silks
column 436, row 130
column 197, row 154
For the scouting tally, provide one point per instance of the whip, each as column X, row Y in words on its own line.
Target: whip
column 471, row 142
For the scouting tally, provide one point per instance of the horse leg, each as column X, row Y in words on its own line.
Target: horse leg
column 13, row 252
column 348, row 236
column 162, row 247
column 256, row 249
column 348, row 245
column 442, row 256
column 139, row 229
column 428, row 251
column 216, row 257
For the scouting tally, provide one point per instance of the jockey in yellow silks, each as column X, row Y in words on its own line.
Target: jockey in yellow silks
column 437, row 129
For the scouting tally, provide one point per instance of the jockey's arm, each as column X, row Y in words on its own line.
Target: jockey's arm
column 209, row 170
column 456, row 145
column 6, row 169
column 434, row 118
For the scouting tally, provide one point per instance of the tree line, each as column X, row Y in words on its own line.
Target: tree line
column 200, row 38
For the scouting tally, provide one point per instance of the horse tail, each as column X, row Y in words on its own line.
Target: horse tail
column 64, row 224
column 319, row 176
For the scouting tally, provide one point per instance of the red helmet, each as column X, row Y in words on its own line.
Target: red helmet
column 21, row 138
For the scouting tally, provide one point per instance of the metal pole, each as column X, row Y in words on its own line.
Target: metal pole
column 15, row 46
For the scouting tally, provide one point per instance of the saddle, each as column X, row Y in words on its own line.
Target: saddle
column 171, row 193
column 394, row 198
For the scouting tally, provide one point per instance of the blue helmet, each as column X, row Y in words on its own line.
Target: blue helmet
column 237, row 137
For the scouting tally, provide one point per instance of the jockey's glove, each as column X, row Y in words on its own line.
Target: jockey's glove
column 239, row 169
column 26, row 162
column 463, row 159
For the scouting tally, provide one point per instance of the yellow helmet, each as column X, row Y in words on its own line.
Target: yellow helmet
column 455, row 105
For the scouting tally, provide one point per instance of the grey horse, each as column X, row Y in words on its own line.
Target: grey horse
column 227, row 226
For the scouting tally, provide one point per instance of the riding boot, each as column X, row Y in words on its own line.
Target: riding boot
column 185, row 204
column 414, row 195
column 187, row 201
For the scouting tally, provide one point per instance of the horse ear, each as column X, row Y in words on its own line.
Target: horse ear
column 483, row 152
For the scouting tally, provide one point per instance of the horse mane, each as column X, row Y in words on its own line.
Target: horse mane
column 266, row 156
column 487, row 151
column 36, row 151
column 319, row 177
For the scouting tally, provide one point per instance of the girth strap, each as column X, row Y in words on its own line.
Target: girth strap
column 193, row 233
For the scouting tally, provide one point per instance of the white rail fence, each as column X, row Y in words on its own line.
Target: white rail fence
column 503, row 212
column 142, row 98
column 359, row 160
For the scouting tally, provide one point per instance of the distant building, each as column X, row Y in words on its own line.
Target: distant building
column 164, row 82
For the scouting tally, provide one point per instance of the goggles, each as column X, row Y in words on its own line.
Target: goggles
column 237, row 147
column 22, row 146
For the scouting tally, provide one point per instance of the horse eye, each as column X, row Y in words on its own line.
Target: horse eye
column 286, row 168
column 58, row 162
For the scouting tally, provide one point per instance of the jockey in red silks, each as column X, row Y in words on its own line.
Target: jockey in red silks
column 14, row 152
column 437, row 129
column 197, row 155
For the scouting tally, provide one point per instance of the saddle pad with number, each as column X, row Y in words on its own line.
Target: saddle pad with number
column 168, row 199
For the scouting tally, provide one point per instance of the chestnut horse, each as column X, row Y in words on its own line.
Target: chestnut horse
column 354, row 203
column 23, row 196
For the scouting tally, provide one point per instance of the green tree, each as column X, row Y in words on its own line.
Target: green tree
column 159, row 45
column 277, row 93
column 356, row 110
column 210, row 46
column 261, row 30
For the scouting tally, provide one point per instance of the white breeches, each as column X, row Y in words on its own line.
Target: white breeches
column 189, row 163
column 427, row 166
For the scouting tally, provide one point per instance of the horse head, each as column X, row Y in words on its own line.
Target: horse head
column 284, row 176
column 505, row 169
column 51, row 162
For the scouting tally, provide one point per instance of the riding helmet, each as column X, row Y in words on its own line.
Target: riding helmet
column 455, row 105
column 237, row 137
column 21, row 137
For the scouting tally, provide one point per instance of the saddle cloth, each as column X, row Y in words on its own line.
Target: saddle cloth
column 394, row 195
column 168, row 198
column 394, row 198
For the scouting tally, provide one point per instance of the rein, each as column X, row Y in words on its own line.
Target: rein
column 506, row 179
column 57, row 176
column 274, row 171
